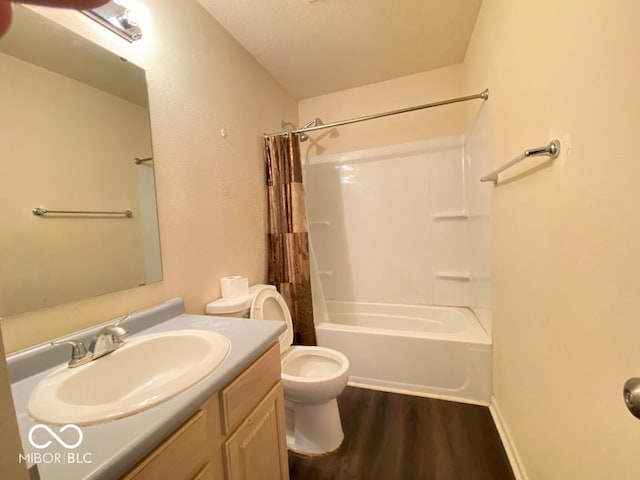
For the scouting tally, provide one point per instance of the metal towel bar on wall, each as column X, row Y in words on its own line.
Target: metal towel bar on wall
column 42, row 211
column 552, row 150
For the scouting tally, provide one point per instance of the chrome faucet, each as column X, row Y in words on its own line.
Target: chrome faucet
column 107, row 340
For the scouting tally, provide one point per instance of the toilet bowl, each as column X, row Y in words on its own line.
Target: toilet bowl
column 312, row 377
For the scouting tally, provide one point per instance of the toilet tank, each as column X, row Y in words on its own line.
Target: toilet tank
column 239, row 307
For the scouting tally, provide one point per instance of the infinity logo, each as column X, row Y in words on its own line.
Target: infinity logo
column 53, row 434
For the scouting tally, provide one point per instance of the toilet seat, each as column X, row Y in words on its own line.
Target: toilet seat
column 268, row 304
column 332, row 363
column 313, row 375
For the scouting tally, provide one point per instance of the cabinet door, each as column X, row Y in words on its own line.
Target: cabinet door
column 258, row 449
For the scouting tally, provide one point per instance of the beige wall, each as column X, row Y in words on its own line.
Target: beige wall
column 210, row 189
column 380, row 97
column 566, row 237
column 75, row 154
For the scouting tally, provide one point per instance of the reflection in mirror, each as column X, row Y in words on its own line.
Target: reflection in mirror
column 74, row 118
column 118, row 19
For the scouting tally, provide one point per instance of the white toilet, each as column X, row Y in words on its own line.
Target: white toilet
column 312, row 376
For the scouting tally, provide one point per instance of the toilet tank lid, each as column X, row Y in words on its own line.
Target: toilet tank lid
column 224, row 306
column 229, row 305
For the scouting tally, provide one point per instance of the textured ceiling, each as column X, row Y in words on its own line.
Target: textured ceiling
column 321, row 46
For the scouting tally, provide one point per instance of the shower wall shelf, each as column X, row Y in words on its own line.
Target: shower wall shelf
column 451, row 214
column 326, row 223
column 326, row 273
column 452, row 275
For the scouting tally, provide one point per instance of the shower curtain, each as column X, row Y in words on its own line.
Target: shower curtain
column 289, row 268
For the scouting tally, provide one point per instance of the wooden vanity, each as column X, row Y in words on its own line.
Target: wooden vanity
column 238, row 434
column 229, row 425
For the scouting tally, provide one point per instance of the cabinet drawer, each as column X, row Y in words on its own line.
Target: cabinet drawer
column 243, row 394
column 180, row 457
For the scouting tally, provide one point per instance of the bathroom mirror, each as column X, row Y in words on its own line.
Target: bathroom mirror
column 74, row 118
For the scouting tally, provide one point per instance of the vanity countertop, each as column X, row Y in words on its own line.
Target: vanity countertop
column 109, row 450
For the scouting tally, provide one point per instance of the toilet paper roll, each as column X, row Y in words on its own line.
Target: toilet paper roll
column 234, row 286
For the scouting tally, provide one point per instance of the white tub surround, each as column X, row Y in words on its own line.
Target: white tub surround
column 404, row 224
column 394, row 229
column 438, row 351
column 389, row 224
column 478, row 201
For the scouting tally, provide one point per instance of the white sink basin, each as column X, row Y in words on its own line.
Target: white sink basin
column 146, row 371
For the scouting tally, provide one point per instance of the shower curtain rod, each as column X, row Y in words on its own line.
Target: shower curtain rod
column 484, row 95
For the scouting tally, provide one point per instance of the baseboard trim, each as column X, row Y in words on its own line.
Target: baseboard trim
column 505, row 436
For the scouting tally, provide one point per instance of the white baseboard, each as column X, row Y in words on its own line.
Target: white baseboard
column 505, row 436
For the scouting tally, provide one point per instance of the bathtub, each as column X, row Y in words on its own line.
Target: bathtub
column 437, row 351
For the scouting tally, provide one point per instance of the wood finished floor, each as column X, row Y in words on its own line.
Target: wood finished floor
column 389, row 436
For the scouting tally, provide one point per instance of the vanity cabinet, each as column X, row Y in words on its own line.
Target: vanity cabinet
column 238, row 434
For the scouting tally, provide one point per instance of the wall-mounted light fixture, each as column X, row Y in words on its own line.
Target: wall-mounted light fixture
column 117, row 18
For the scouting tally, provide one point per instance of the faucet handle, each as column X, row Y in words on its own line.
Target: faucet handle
column 108, row 339
column 117, row 329
column 79, row 354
